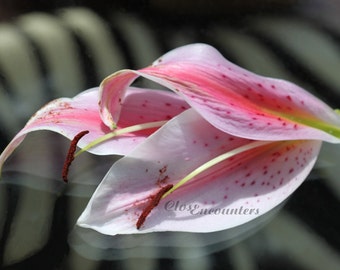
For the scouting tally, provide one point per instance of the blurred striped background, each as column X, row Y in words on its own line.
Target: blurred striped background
column 63, row 51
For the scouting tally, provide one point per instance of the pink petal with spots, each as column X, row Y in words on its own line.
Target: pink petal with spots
column 232, row 99
column 250, row 184
column 145, row 105
column 70, row 116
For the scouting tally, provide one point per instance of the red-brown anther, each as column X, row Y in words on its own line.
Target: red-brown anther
column 154, row 200
column 70, row 154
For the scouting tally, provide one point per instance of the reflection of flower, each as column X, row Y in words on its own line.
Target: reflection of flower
column 247, row 141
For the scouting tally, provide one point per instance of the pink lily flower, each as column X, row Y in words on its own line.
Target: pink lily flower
column 142, row 112
column 247, row 143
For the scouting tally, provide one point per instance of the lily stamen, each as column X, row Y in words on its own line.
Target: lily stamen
column 215, row 161
column 154, row 201
column 122, row 131
column 168, row 189
column 70, row 155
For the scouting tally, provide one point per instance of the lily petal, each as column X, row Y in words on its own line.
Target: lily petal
column 69, row 116
column 251, row 183
column 232, row 99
